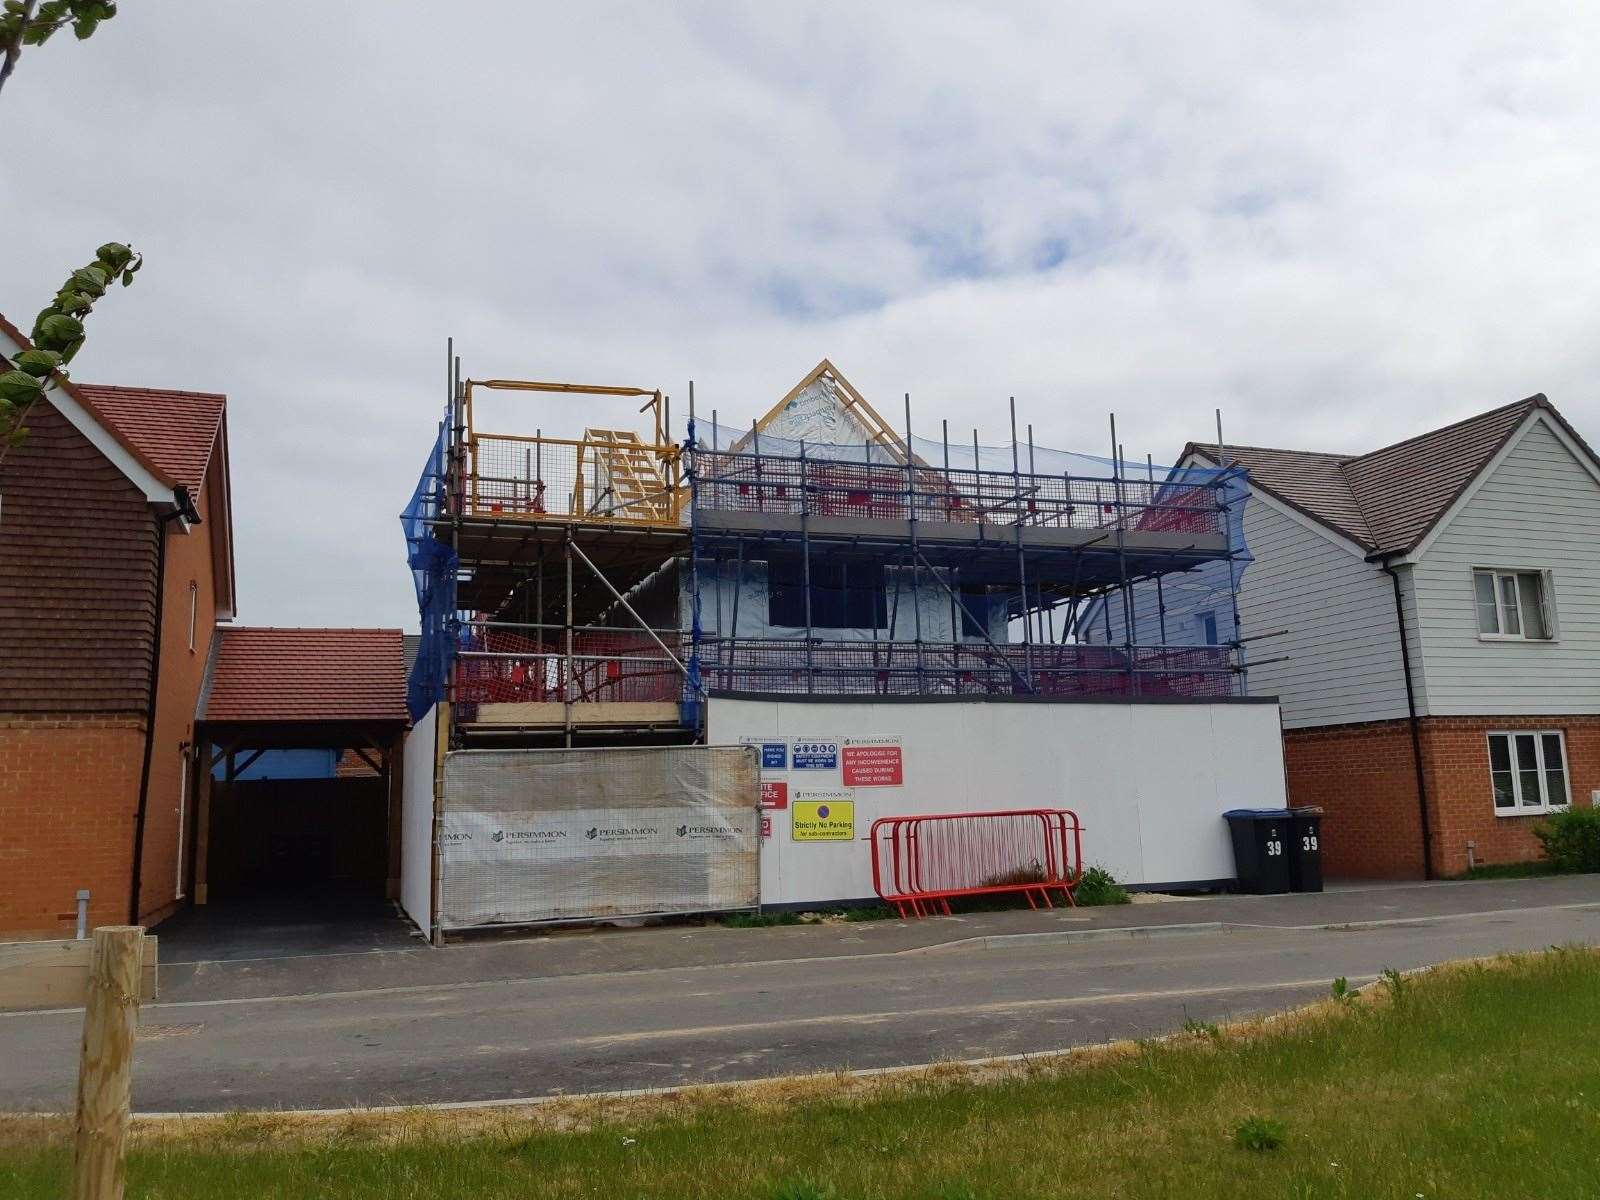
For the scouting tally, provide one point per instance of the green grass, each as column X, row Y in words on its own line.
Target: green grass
column 1479, row 1081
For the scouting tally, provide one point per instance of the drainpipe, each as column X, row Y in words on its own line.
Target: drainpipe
column 184, row 508
column 1411, row 708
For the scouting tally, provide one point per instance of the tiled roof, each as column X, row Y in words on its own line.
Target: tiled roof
column 175, row 430
column 1386, row 500
column 306, row 675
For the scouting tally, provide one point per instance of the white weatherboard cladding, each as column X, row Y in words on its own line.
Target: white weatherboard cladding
column 416, row 821
column 1537, row 510
column 1341, row 652
column 1149, row 781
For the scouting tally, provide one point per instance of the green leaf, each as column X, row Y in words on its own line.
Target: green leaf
column 90, row 280
column 18, row 387
column 37, row 33
column 38, row 363
column 114, row 255
column 73, row 303
column 85, row 27
column 127, row 276
column 57, row 331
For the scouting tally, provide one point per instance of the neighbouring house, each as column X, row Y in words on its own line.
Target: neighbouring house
column 1429, row 616
column 116, row 562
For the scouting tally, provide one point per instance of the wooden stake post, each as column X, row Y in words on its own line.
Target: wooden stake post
column 109, row 977
column 105, row 1063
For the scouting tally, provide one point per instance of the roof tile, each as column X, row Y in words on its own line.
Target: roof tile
column 1386, row 500
column 307, row 675
column 175, row 430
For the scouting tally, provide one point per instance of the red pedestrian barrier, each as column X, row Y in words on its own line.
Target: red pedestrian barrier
column 920, row 863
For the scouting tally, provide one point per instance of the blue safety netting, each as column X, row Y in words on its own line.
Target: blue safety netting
column 1197, row 607
column 433, row 571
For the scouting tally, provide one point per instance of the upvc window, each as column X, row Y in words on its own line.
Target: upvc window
column 1512, row 604
column 1528, row 771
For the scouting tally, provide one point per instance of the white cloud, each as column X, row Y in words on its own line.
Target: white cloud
column 1342, row 224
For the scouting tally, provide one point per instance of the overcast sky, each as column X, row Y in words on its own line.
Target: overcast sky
column 1342, row 224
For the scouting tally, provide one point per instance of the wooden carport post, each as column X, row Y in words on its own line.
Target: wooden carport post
column 394, row 761
column 202, row 817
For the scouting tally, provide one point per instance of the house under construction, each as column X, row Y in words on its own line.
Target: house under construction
column 808, row 583
column 594, row 587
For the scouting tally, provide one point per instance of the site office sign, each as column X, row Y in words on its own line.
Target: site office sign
column 873, row 764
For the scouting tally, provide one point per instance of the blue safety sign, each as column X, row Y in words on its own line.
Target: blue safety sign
column 816, row 756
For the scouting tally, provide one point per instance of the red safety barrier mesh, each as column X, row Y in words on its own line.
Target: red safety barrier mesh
column 607, row 665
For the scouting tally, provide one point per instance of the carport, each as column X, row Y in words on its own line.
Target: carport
column 281, row 852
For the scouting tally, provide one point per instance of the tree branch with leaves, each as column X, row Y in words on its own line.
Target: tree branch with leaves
column 29, row 23
column 58, row 331
column 58, row 335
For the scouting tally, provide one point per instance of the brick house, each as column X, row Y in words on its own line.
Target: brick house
column 1429, row 615
column 116, row 562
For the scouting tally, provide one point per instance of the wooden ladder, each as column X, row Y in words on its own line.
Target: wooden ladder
column 637, row 487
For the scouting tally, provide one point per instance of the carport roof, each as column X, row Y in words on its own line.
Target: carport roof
column 305, row 677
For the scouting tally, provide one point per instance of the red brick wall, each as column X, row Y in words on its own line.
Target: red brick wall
column 1364, row 778
column 189, row 559
column 1456, row 752
column 69, row 787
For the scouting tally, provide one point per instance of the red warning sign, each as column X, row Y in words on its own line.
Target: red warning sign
column 766, row 827
column 774, row 794
column 872, row 766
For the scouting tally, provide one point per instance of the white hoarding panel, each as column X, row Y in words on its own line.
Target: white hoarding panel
column 1149, row 781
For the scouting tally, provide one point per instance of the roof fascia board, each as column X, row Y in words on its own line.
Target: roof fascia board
column 1539, row 415
column 1259, row 491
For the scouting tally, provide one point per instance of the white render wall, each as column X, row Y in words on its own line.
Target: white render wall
column 1148, row 781
column 1537, row 510
column 416, row 821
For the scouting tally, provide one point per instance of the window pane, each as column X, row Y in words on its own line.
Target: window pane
column 1508, row 605
column 1555, row 771
column 1483, row 588
column 1530, row 588
column 1500, row 770
column 1528, row 770
column 1503, row 797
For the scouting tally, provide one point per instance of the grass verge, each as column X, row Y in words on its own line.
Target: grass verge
column 1475, row 1080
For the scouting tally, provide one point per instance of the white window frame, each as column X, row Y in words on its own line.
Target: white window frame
column 1547, row 609
column 1518, row 808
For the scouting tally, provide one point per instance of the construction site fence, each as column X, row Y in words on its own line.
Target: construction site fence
column 532, row 664
column 531, row 836
column 921, row 863
column 727, row 481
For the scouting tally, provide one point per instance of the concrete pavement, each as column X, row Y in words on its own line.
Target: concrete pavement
column 643, row 1008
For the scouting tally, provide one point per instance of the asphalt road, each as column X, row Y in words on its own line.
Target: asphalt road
column 484, row 1039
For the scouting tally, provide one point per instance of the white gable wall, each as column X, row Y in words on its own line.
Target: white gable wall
column 1538, row 509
